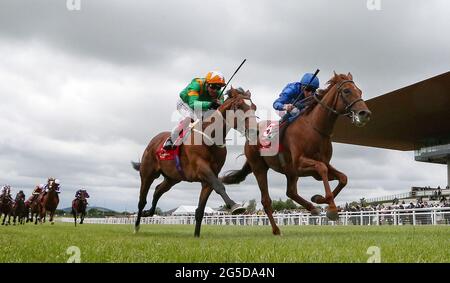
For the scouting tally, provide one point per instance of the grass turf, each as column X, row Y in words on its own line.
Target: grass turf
column 176, row 243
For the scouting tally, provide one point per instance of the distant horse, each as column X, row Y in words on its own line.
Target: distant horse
column 5, row 208
column 19, row 210
column 200, row 163
column 32, row 207
column 48, row 202
column 79, row 205
column 308, row 148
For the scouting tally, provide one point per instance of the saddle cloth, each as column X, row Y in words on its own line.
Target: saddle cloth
column 164, row 154
column 172, row 153
column 270, row 139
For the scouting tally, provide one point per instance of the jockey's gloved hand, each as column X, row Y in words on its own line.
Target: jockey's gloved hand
column 214, row 105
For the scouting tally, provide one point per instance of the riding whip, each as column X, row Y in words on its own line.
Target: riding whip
column 232, row 76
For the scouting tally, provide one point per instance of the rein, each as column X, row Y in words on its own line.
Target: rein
column 349, row 105
column 245, row 133
column 347, row 111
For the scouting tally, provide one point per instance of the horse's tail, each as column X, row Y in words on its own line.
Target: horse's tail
column 237, row 176
column 136, row 165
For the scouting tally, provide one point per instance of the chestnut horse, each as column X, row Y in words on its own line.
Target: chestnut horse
column 79, row 205
column 200, row 162
column 48, row 202
column 32, row 207
column 308, row 148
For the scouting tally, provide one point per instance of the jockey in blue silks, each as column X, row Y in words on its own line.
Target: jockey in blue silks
column 296, row 90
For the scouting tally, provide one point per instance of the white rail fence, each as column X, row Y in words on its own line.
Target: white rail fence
column 418, row 216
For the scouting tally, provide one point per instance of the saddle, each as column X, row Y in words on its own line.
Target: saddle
column 170, row 154
column 270, row 138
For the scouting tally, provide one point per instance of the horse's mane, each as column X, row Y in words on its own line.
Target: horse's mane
column 240, row 90
column 311, row 103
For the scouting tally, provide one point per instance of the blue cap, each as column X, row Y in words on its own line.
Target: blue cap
column 306, row 80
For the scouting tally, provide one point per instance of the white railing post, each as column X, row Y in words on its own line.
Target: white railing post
column 430, row 214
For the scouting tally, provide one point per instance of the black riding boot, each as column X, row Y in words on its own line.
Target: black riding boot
column 168, row 145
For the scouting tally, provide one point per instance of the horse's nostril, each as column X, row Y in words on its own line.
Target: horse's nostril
column 364, row 114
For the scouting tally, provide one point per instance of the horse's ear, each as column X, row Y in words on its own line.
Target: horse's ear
column 334, row 73
column 232, row 93
column 248, row 93
column 350, row 76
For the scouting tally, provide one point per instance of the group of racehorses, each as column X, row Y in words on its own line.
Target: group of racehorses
column 304, row 149
column 13, row 208
column 36, row 208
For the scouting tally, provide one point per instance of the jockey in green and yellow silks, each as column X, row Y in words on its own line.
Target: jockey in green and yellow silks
column 201, row 95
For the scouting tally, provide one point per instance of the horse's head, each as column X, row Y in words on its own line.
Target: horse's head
column 20, row 196
column 84, row 194
column 240, row 112
column 52, row 184
column 348, row 99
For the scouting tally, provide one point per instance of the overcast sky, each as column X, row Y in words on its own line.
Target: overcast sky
column 83, row 91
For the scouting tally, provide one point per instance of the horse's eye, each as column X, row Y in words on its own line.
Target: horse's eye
column 346, row 91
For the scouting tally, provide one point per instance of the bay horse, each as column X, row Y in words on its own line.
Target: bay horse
column 32, row 206
column 48, row 202
column 6, row 204
column 307, row 148
column 79, row 205
column 19, row 210
column 200, row 162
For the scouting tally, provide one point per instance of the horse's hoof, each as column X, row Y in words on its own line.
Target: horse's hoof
column 53, row 223
column 136, row 229
column 315, row 211
column 333, row 215
column 276, row 231
column 317, row 199
column 237, row 209
column 146, row 213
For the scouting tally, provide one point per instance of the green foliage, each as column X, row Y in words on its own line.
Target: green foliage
column 279, row 205
column 354, row 203
column 99, row 213
column 290, row 204
column 158, row 211
column 363, row 202
column 251, row 207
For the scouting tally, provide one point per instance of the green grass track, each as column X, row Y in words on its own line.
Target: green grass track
column 176, row 243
